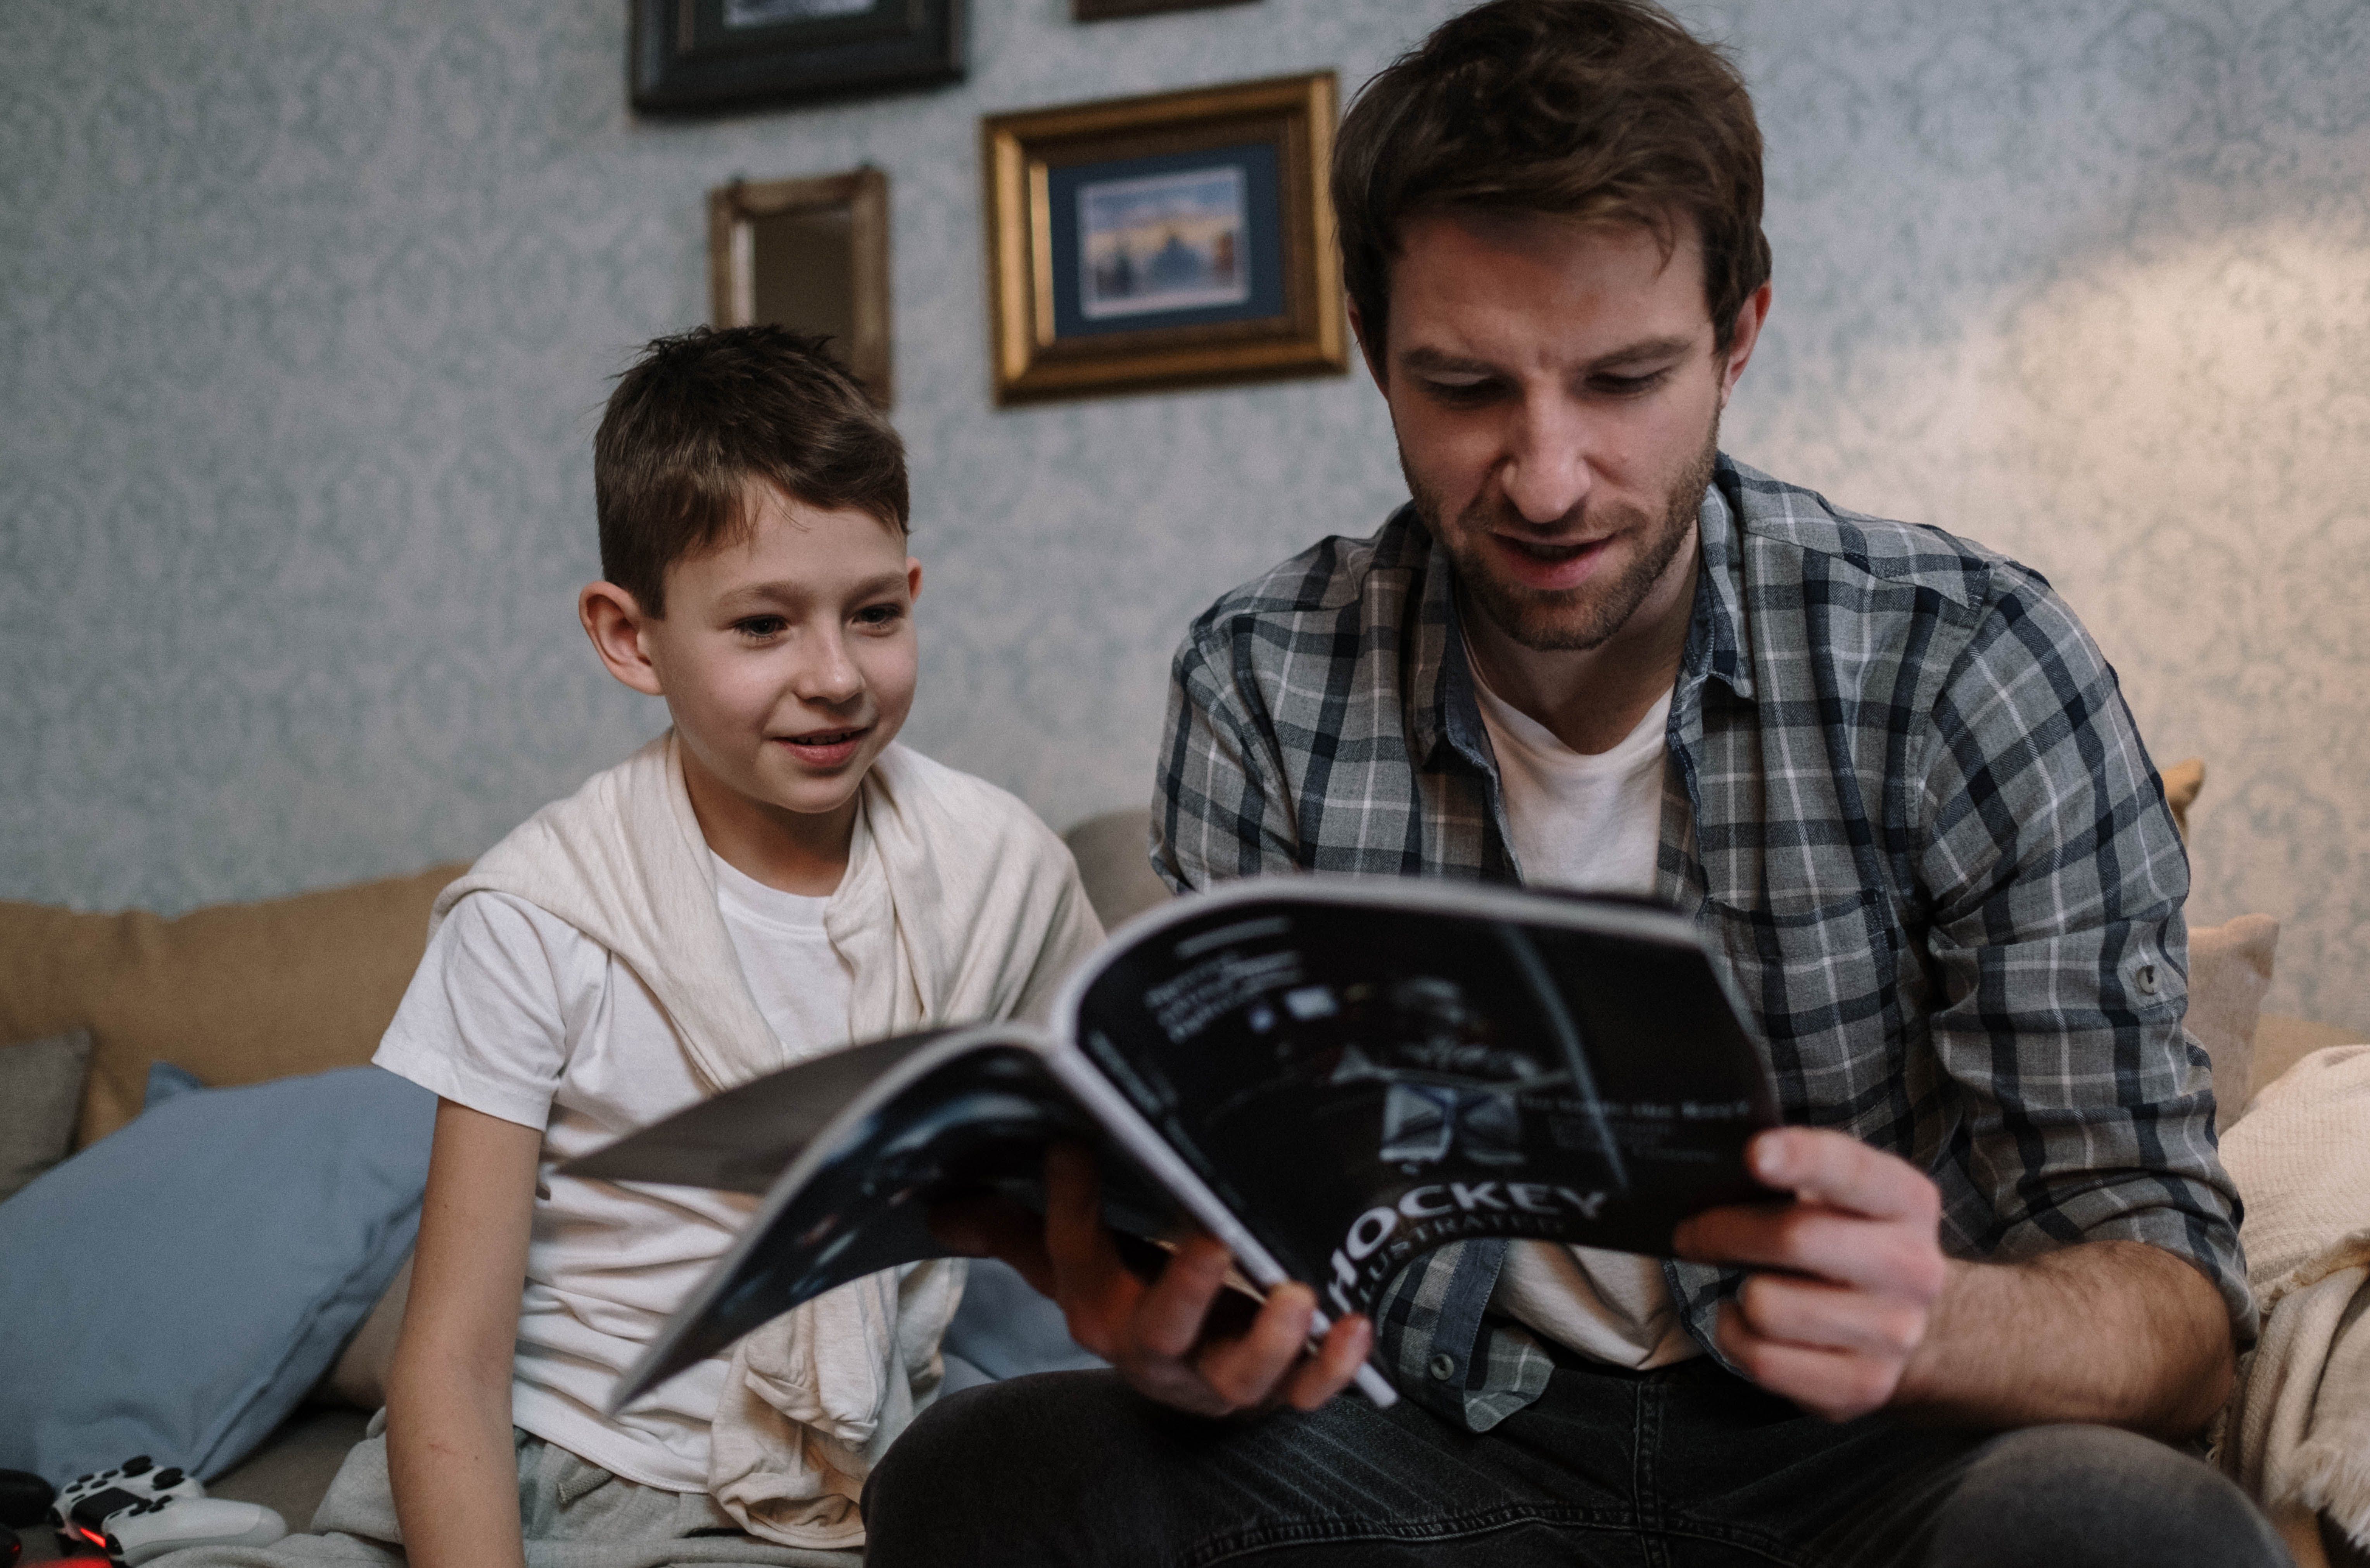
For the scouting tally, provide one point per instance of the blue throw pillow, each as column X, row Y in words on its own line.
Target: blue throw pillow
column 176, row 1288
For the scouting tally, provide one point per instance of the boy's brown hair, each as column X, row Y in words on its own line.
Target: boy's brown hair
column 1589, row 109
column 702, row 414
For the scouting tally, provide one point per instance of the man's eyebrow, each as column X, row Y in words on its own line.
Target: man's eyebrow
column 1439, row 362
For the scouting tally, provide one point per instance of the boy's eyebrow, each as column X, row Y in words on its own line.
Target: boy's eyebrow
column 1440, row 361
column 792, row 592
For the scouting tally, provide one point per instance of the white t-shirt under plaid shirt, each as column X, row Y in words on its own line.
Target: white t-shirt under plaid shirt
column 1905, row 798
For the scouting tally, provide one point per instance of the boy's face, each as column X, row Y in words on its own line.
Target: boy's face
column 788, row 660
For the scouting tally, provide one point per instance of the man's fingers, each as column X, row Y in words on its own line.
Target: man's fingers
column 1813, row 1315
column 1096, row 1291
column 1837, row 1385
column 987, row 1225
column 1318, row 1379
column 1247, row 1372
column 1819, row 1165
column 1169, row 1315
column 1895, row 1258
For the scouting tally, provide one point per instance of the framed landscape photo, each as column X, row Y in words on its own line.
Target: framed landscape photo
column 690, row 57
column 1180, row 240
column 813, row 254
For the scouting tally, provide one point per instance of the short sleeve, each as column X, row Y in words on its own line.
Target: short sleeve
column 484, row 1023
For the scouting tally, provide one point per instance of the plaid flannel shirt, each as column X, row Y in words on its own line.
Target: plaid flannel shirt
column 1906, row 799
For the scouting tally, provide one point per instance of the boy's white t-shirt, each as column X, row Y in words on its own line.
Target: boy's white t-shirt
column 518, row 1014
column 1594, row 824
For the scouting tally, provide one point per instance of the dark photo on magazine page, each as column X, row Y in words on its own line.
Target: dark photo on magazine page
column 1361, row 1085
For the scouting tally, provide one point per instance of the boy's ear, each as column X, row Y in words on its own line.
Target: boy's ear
column 913, row 578
column 614, row 621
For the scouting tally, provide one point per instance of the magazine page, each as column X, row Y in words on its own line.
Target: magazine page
column 949, row 1112
column 1360, row 1071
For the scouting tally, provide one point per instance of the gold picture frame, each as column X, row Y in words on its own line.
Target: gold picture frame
column 1179, row 240
column 813, row 254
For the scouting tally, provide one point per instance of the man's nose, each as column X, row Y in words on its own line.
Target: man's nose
column 1546, row 473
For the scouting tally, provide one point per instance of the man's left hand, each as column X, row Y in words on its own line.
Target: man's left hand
column 1844, row 1271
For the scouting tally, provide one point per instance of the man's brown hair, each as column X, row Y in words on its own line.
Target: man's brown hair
column 702, row 414
column 1598, row 109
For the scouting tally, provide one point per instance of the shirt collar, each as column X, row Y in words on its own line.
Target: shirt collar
column 1442, row 707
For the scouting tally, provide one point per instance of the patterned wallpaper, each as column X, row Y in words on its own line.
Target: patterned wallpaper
column 305, row 310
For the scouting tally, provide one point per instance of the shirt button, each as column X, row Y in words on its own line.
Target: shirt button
column 2145, row 979
column 1443, row 1366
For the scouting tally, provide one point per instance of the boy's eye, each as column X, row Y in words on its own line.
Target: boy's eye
column 879, row 614
column 760, row 627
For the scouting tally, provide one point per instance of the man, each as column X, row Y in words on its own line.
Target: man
column 1885, row 768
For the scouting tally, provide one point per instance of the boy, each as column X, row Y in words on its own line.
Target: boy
column 769, row 881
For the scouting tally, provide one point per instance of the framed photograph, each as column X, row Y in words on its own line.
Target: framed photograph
column 690, row 57
column 811, row 254
column 1111, row 10
column 1182, row 240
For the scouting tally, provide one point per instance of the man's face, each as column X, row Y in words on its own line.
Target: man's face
column 788, row 659
column 1556, row 402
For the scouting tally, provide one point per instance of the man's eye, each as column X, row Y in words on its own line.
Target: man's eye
column 1461, row 391
column 1627, row 385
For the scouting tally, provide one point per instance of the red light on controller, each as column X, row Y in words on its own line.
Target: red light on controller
column 93, row 1537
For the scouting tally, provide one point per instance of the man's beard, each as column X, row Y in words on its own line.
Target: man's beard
column 1570, row 619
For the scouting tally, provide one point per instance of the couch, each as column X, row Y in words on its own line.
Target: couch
column 249, row 993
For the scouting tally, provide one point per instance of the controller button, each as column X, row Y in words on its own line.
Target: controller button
column 137, row 1463
column 165, row 1479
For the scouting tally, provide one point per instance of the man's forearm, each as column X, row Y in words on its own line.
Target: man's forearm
column 2118, row 1333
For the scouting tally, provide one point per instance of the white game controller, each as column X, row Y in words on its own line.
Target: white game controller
column 103, row 1492
column 168, row 1524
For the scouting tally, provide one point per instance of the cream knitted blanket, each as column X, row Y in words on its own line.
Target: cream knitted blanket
column 958, row 905
column 2297, row 1433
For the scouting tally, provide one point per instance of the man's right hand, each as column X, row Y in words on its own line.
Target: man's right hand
column 1160, row 1335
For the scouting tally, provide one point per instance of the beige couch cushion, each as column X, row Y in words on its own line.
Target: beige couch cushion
column 1114, row 856
column 236, row 993
column 2229, row 970
column 2182, row 782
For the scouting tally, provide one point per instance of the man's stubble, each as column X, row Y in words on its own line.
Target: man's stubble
column 1575, row 619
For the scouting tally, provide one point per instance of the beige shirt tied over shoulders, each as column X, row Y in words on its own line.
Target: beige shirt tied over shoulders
column 958, row 905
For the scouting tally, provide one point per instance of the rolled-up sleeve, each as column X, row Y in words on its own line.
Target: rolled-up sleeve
column 2056, row 880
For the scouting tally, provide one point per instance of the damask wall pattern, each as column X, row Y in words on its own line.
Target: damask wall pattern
column 307, row 311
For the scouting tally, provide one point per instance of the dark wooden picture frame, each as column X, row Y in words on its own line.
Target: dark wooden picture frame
column 696, row 57
column 840, row 223
column 1248, row 255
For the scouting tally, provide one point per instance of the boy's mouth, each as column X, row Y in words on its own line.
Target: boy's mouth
column 824, row 749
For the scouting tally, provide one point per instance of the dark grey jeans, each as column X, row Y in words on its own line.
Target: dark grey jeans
column 1683, row 1466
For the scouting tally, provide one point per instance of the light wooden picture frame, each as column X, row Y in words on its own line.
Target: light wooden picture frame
column 1180, row 239
column 811, row 254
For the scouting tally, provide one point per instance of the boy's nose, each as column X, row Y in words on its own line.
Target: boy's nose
column 831, row 676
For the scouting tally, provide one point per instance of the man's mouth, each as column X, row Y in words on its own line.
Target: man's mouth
column 824, row 749
column 1550, row 564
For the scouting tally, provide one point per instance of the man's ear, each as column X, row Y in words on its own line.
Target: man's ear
column 1368, row 351
column 614, row 621
column 1749, row 317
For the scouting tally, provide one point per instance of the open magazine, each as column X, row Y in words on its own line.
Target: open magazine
column 1333, row 1075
